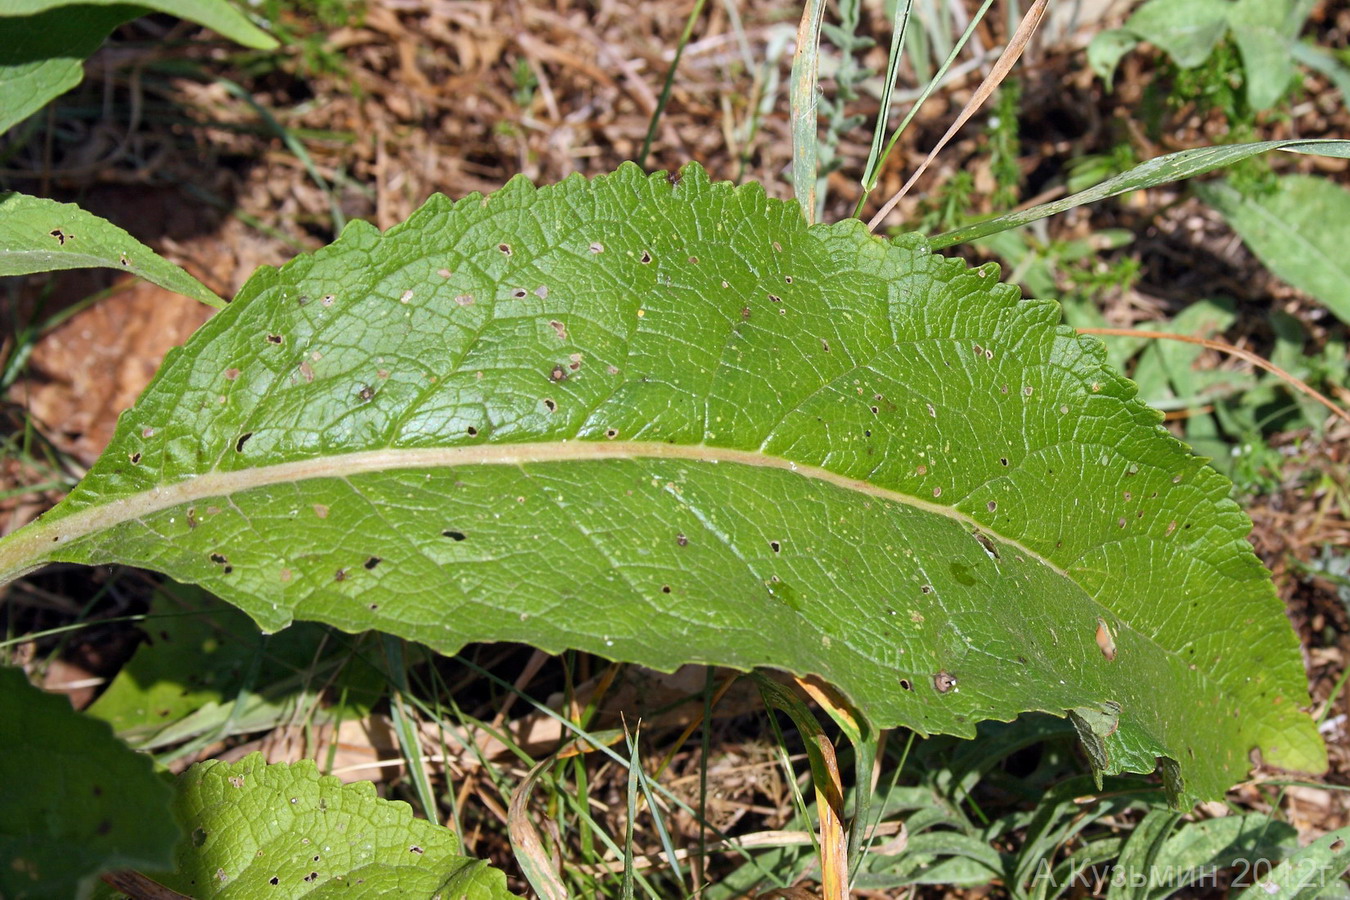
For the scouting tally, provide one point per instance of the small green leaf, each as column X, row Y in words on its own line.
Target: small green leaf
column 259, row 830
column 1299, row 230
column 1186, row 30
column 1323, row 60
column 77, row 802
column 39, row 235
column 1106, row 51
column 1160, row 170
column 1094, row 726
column 1261, row 31
column 661, row 420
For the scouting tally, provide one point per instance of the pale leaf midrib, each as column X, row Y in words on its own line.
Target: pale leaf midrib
column 39, row 540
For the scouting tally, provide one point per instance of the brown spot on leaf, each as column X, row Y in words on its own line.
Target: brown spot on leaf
column 1105, row 640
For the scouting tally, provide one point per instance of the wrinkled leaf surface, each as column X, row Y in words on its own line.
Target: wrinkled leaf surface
column 663, row 421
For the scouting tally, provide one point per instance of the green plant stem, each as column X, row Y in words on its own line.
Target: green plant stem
column 405, row 728
column 669, row 82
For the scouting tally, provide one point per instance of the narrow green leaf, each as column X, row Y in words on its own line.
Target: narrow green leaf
column 1137, row 866
column 1161, row 170
column 805, row 106
column 662, row 420
column 259, row 830
column 1299, row 230
column 77, row 802
column 876, row 156
column 39, row 235
column 1322, row 60
column 1248, row 843
column 1306, row 874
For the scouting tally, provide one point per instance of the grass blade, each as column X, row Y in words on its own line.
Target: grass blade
column 669, row 82
column 805, row 71
column 1160, row 170
column 634, row 765
column 875, row 156
column 825, row 779
column 873, row 171
column 408, row 738
column 526, row 843
column 1002, row 66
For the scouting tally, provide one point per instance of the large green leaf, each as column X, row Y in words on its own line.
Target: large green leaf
column 663, row 421
column 1299, row 230
column 43, row 43
column 284, row 830
column 40, row 235
column 76, row 801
